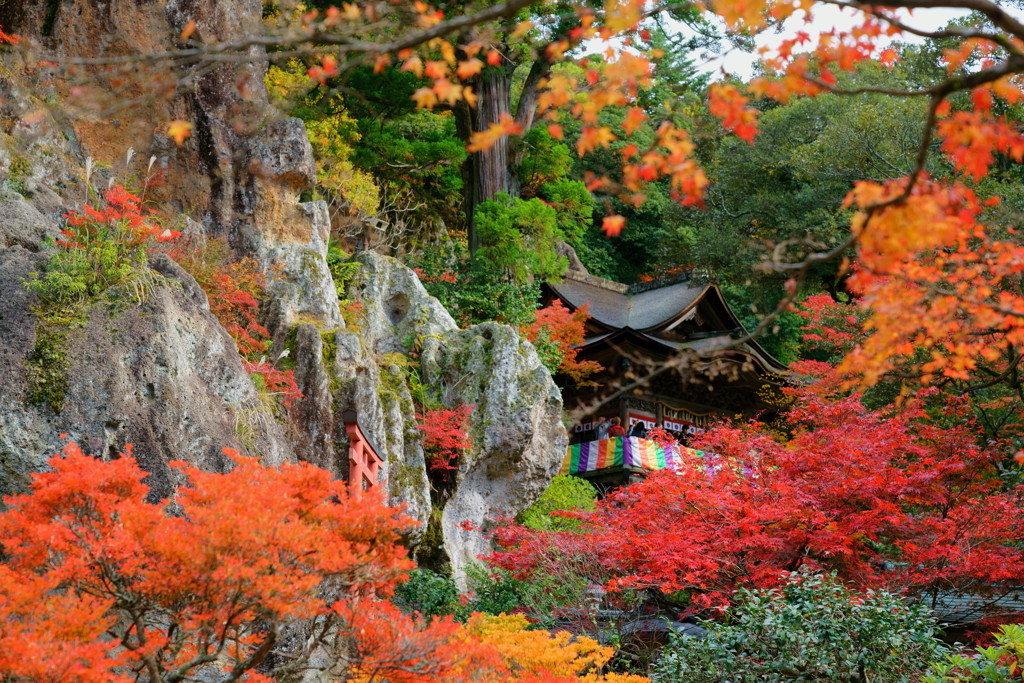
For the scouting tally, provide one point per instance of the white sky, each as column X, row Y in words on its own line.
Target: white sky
column 737, row 63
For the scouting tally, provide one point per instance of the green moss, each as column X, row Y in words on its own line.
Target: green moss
column 17, row 174
column 403, row 475
column 47, row 365
column 47, row 369
column 430, row 552
column 329, row 347
column 288, row 361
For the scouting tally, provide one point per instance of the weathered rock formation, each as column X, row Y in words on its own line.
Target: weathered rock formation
column 162, row 375
column 516, row 425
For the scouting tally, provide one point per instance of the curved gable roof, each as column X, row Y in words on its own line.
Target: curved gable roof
column 654, row 310
column 642, row 310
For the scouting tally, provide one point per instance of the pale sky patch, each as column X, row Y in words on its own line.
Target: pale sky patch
column 735, row 62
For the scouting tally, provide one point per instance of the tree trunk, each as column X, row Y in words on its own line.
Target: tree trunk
column 487, row 173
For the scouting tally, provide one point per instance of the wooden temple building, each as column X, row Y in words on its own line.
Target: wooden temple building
column 633, row 332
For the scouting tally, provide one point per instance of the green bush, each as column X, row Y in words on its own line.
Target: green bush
column 564, row 493
column 575, row 207
column 1003, row 662
column 471, row 291
column 811, row 629
column 494, row 590
column 428, row 593
column 104, row 260
column 518, row 239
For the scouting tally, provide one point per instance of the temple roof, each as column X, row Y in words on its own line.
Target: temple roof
column 617, row 307
column 662, row 316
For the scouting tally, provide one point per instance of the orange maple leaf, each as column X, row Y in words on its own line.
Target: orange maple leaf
column 179, row 131
column 613, row 225
column 593, row 137
column 425, row 98
column 728, row 104
column 469, row 68
column 634, row 119
column 486, row 139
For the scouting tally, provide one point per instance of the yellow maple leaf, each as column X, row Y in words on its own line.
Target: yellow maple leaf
column 179, row 130
column 425, row 98
column 593, row 137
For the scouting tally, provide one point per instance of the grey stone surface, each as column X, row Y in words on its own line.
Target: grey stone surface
column 161, row 375
column 518, row 437
column 519, row 440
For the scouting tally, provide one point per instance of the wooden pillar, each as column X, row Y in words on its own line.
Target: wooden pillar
column 363, row 461
column 355, row 466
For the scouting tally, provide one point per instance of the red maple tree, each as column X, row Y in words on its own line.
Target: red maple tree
column 445, row 436
column 883, row 499
column 235, row 289
column 555, row 325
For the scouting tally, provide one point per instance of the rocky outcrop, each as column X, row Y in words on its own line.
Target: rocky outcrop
column 518, row 437
column 519, row 440
column 161, row 374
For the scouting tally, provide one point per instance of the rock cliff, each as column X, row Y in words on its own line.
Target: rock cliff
column 160, row 372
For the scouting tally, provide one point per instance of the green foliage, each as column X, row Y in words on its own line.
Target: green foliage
column 783, row 338
column 544, row 160
column 17, row 173
column 564, row 493
column 1000, row 663
column 574, row 205
column 638, row 249
column 343, row 268
column 811, row 629
column 101, row 253
column 471, row 290
column 47, row 365
column 428, row 593
column 518, row 238
column 409, row 151
column 106, row 259
column 333, row 133
column 495, row 591
column 486, row 296
column 548, row 350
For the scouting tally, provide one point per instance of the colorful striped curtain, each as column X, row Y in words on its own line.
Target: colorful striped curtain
column 622, row 451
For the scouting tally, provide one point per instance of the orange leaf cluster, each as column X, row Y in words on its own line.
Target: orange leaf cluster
column 488, row 138
column 567, row 330
column 98, row 581
column 98, row 584
column 728, row 104
column 971, row 139
column 932, row 280
column 517, row 653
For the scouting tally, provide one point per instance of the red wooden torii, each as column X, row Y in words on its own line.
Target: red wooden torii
column 363, row 461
